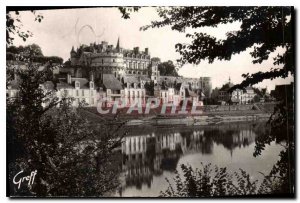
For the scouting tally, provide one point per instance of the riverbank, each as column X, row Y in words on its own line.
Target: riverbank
column 207, row 115
column 199, row 120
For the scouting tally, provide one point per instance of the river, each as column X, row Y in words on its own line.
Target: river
column 150, row 154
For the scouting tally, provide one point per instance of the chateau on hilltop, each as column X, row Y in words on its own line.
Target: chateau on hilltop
column 106, row 71
column 107, row 59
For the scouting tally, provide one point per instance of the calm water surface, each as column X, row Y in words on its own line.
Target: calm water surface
column 150, row 154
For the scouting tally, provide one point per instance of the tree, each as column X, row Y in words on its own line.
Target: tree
column 32, row 52
column 14, row 26
column 155, row 60
column 167, row 69
column 262, row 28
column 29, row 50
column 71, row 155
column 211, row 182
column 126, row 11
column 149, row 87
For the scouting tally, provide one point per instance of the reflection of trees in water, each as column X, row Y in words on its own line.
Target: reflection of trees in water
column 232, row 136
column 160, row 150
column 195, row 141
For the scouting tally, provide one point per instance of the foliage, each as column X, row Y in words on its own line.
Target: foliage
column 32, row 52
column 126, row 11
column 282, row 131
column 149, row 87
column 264, row 29
column 14, row 26
column 70, row 154
column 218, row 182
column 29, row 50
column 206, row 182
column 167, row 69
column 155, row 60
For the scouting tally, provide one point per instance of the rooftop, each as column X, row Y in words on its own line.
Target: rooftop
column 110, row 82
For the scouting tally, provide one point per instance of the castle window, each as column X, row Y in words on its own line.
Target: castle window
column 102, row 61
column 91, row 85
column 114, row 60
column 77, row 93
column 82, row 92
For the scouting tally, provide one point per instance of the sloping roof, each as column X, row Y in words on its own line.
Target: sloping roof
column 131, row 79
column 110, row 82
column 64, row 85
column 145, row 78
column 84, row 83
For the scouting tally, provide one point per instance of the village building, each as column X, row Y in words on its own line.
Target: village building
column 243, row 96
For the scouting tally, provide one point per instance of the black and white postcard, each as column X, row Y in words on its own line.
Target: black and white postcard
column 178, row 101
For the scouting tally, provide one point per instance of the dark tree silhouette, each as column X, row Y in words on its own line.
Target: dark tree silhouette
column 262, row 28
column 167, row 69
column 14, row 26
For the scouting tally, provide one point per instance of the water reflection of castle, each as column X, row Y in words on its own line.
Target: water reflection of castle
column 149, row 153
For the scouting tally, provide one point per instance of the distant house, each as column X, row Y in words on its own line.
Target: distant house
column 243, row 96
column 134, row 90
column 113, row 88
column 80, row 89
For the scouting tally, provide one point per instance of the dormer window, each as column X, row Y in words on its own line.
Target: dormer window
column 91, row 85
column 77, row 84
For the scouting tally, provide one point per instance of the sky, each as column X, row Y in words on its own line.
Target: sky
column 56, row 36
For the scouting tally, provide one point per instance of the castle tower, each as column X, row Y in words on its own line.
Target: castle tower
column 118, row 48
column 73, row 56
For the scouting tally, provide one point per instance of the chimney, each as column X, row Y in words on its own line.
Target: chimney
column 146, row 51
